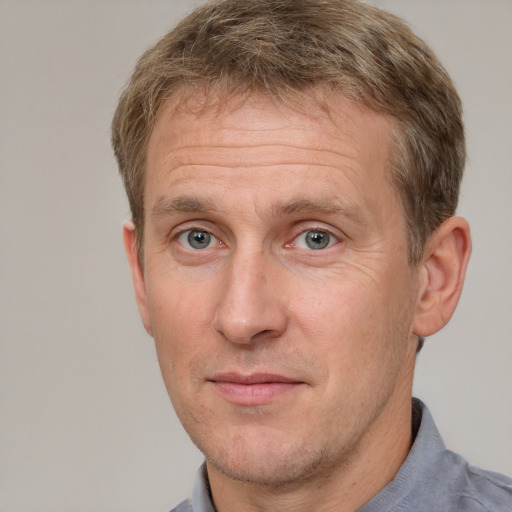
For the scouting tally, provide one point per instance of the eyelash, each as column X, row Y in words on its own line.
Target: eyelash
column 333, row 239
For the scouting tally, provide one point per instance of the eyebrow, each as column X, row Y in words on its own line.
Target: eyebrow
column 181, row 204
column 332, row 206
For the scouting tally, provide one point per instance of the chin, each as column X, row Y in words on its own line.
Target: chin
column 270, row 464
column 268, row 474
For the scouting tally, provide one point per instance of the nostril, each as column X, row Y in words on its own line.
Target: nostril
column 265, row 334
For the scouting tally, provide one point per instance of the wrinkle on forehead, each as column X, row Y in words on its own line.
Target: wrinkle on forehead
column 256, row 156
column 241, row 117
column 262, row 135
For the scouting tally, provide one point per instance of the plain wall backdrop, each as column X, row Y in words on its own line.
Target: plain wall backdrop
column 85, row 422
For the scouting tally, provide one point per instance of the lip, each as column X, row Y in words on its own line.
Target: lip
column 253, row 389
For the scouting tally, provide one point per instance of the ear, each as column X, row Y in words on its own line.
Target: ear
column 139, row 284
column 442, row 271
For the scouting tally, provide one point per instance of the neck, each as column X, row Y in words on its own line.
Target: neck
column 370, row 466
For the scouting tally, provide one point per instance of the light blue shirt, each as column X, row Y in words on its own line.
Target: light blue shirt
column 432, row 479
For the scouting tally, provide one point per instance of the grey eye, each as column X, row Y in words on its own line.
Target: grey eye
column 317, row 239
column 196, row 239
column 314, row 239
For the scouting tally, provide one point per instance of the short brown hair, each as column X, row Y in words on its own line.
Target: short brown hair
column 282, row 48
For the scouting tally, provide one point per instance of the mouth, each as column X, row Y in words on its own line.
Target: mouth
column 254, row 389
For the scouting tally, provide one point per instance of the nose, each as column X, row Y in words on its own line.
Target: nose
column 251, row 305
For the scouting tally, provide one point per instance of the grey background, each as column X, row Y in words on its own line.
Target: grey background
column 85, row 423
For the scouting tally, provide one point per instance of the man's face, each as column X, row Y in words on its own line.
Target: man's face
column 276, row 284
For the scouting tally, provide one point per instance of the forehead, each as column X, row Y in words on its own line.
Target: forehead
column 182, row 123
column 197, row 144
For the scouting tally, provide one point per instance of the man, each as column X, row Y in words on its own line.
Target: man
column 293, row 170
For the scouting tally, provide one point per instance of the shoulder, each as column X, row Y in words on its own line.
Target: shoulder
column 184, row 506
column 455, row 485
column 435, row 479
column 450, row 484
column 484, row 491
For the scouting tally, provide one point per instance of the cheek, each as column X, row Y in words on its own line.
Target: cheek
column 179, row 308
column 336, row 309
column 180, row 317
column 351, row 323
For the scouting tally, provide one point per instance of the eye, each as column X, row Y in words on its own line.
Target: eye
column 314, row 239
column 197, row 239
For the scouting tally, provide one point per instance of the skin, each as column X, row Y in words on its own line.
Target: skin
column 258, row 306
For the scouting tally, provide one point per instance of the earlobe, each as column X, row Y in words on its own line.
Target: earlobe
column 139, row 284
column 442, row 275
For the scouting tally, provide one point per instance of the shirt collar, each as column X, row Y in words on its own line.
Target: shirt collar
column 201, row 496
column 424, row 457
